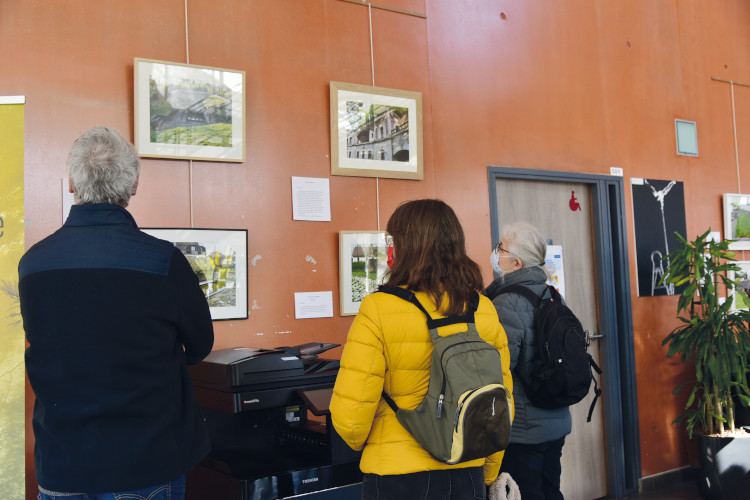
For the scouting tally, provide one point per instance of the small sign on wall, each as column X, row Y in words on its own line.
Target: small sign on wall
column 554, row 263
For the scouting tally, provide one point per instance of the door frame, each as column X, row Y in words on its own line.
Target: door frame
column 622, row 447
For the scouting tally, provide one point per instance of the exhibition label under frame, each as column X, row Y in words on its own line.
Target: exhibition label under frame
column 189, row 112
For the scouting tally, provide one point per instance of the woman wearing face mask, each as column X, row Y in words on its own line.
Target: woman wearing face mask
column 537, row 435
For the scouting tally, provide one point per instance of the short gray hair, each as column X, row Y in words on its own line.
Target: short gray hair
column 526, row 243
column 103, row 167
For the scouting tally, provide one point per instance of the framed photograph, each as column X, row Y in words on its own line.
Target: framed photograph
column 742, row 278
column 189, row 112
column 219, row 259
column 363, row 262
column 737, row 220
column 376, row 132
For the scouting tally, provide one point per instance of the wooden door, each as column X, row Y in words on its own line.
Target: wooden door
column 562, row 212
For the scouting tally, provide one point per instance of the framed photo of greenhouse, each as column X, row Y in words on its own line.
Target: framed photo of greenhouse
column 737, row 220
column 376, row 132
column 189, row 112
column 363, row 262
column 219, row 259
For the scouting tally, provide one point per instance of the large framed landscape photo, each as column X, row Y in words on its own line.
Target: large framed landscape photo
column 363, row 262
column 376, row 132
column 189, row 112
column 219, row 259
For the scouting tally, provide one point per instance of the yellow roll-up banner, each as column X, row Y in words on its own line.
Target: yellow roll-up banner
column 12, row 379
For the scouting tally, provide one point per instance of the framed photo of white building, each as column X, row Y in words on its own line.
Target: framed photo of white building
column 189, row 112
column 363, row 262
column 218, row 258
column 376, row 132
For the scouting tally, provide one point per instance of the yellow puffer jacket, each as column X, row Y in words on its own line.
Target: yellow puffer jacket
column 389, row 347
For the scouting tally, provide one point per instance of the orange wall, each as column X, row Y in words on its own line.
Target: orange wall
column 575, row 86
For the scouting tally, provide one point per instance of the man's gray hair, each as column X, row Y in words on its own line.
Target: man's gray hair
column 103, row 167
column 526, row 243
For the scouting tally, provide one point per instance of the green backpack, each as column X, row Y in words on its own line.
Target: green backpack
column 465, row 414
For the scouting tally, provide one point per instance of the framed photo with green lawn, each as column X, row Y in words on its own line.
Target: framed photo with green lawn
column 376, row 132
column 218, row 258
column 363, row 262
column 189, row 112
column 742, row 278
column 737, row 220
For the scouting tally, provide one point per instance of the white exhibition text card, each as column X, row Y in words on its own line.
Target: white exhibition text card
column 311, row 199
column 313, row 305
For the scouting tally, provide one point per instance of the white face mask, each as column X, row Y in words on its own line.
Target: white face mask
column 495, row 261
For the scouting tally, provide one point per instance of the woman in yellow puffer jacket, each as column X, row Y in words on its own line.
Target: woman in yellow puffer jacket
column 389, row 348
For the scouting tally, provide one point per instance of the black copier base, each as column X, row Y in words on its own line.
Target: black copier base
column 264, row 445
column 258, row 455
column 341, row 482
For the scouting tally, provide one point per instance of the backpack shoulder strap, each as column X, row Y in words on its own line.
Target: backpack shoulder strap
column 523, row 291
column 553, row 293
column 597, row 390
column 432, row 324
column 409, row 296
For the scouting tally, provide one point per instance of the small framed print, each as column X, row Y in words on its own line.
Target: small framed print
column 742, row 283
column 376, row 132
column 737, row 220
column 363, row 262
column 189, row 112
column 219, row 259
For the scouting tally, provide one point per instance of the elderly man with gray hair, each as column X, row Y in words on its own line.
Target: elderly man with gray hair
column 112, row 317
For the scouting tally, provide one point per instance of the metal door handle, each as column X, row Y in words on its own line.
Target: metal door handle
column 595, row 336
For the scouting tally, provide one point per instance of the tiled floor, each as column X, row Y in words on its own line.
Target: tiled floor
column 683, row 491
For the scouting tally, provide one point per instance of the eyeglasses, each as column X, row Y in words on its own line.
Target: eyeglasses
column 499, row 248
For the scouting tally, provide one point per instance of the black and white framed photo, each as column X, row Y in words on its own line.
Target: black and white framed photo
column 658, row 213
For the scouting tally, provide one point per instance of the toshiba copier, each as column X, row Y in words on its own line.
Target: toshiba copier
column 270, row 427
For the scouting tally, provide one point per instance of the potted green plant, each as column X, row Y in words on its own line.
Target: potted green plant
column 713, row 336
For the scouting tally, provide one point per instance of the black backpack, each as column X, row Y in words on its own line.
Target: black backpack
column 466, row 413
column 561, row 368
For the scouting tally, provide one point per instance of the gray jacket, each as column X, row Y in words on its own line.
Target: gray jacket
column 531, row 425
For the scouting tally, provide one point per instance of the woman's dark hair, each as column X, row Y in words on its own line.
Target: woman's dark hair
column 430, row 255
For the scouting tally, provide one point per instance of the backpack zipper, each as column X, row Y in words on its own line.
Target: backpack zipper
column 442, row 387
column 458, row 410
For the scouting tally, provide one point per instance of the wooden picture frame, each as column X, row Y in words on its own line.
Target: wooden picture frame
column 219, row 259
column 376, row 132
column 189, row 112
column 362, row 267
column 737, row 220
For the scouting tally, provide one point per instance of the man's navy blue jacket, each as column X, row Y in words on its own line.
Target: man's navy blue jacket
column 112, row 317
